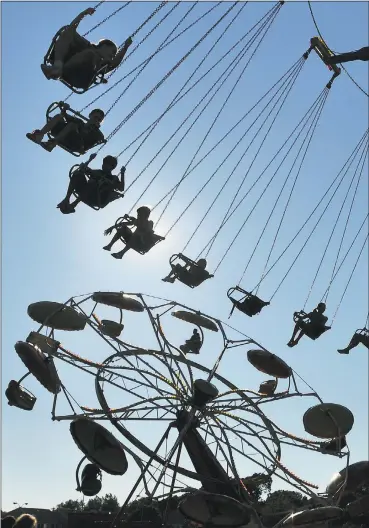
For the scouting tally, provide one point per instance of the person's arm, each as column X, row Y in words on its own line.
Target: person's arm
column 77, row 20
column 121, row 182
column 114, row 63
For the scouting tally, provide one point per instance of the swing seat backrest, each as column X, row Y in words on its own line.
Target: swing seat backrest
column 142, row 247
column 19, row 397
column 79, row 44
column 71, row 138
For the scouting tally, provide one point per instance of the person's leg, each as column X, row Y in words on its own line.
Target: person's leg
column 59, row 139
column 61, row 50
column 355, row 340
column 120, row 254
column 37, row 135
column 122, row 232
column 295, row 330
column 176, row 268
column 77, row 183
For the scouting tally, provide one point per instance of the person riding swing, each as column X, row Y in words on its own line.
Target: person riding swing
column 76, row 61
column 95, row 187
column 70, row 132
column 141, row 238
column 312, row 324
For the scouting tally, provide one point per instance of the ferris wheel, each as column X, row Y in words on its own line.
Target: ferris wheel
column 202, row 428
column 187, row 426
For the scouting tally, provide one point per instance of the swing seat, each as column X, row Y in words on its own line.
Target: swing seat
column 141, row 247
column 192, row 277
column 363, row 336
column 91, row 196
column 191, row 347
column 311, row 330
column 268, row 388
column 324, row 53
column 111, row 328
column 19, row 397
column 249, row 305
column 334, row 446
column 73, row 143
column 87, row 80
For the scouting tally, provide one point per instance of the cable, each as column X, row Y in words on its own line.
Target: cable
column 231, row 130
column 348, row 162
column 344, row 69
column 270, row 22
column 313, row 126
column 325, row 299
column 351, row 275
column 171, row 71
column 270, row 181
column 285, row 93
column 333, row 231
column 152, row 55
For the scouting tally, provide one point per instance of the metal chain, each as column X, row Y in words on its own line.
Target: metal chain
column 147, row 62
column 106, row 18
column 157, row 86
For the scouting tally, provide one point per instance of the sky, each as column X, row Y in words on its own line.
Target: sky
column 49, row 256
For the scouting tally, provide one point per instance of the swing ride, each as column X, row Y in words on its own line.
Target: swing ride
column 199, row 417
column 212, row 437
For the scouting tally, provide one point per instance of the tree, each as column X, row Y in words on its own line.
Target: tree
column 283, row 501
column 107, row 503
column 71, row 505
column 258, row 485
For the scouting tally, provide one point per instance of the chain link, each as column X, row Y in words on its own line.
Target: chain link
column 106, row 18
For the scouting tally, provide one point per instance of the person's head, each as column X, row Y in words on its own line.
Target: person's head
column 321, row 307
column 202, row 263
column 96, row 116
column 143, row 212
column 107, row 49
column 109, row 163
column 8, row 521
column 25, row 521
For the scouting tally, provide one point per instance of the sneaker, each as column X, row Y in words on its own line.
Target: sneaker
column 51, row 72
column 48, row 145
column 35, row 136
column 343, row 351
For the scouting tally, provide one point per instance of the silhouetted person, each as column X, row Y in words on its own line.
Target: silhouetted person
column 193, row 344
column 94, row 186
column 360, row 337
column 143, row 234
column 78, row 61
column 195, row 272
column 361, row 54
column 25, row 521
column 315, row 318
column 8, row 521
column 70, row 131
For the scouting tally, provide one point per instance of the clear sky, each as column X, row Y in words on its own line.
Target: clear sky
column 48, row 256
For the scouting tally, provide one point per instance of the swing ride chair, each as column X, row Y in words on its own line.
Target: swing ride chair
column 194, row 405
column 323, row 52
column 249, row 304
column 310, row 330
column 135, row 243
column 184, row 275
column 80, row 44
column 363, row 336
column 59, row 106
column 114, row 195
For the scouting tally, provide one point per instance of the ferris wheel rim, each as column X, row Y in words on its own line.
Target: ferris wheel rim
column 146, row 450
